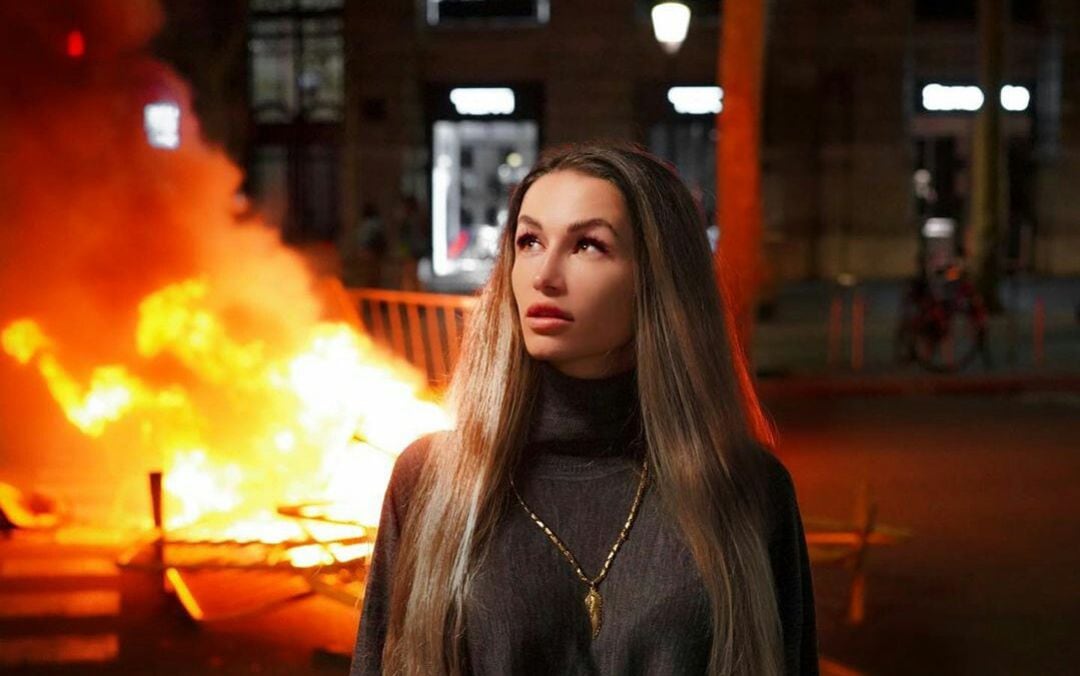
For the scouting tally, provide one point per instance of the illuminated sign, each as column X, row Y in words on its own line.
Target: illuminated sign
column 483, row 100
column 1015, row 98
column 161, row 121
column 942, row 97
column 969, row 98
column 696, row 100
column 935, row 228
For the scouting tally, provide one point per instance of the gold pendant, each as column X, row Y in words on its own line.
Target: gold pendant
column 594, row 604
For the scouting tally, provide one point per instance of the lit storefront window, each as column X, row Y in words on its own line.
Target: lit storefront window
column 484, row 140
column 476, row 166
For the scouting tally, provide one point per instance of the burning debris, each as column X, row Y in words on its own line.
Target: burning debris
column 33, row 511
column 171, row 333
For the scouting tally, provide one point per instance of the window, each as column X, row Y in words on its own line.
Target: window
column 297, row 60
column 322, row 69
column 273, row 70
column 296, row 80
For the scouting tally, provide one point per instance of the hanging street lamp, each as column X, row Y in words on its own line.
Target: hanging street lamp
column 670, row 21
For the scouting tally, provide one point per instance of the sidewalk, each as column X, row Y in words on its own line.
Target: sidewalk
column 791, row 349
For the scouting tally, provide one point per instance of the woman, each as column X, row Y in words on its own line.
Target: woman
column 604, row 503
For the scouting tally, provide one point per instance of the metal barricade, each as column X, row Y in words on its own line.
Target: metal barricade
column 424, row 329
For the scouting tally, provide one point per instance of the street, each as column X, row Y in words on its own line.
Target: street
column 986, row 583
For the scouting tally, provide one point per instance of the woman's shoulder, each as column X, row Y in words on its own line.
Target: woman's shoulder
column 777, row 476
column 409, row 465
column 778, row 487
column 411, row 460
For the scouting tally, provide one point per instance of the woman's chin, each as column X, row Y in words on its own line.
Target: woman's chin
column 549, row 354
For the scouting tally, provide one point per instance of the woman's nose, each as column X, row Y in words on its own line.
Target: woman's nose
column 549, row 275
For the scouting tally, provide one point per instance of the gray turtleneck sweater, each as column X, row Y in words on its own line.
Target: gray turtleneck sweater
column 526, row 613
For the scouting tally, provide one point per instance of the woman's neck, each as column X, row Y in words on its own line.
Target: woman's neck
column 579, row 416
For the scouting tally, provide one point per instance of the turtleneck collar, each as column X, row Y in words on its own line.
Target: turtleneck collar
column 585, row 417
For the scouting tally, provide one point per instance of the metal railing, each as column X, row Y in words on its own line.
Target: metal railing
column 424, row 329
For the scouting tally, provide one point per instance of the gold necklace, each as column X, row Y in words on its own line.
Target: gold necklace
column 593, row 602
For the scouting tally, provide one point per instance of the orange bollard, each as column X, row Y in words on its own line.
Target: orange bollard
column 858, row 316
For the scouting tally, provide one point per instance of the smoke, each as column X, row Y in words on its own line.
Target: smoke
column 93, row 218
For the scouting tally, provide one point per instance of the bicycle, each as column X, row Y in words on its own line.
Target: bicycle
column 943, row 321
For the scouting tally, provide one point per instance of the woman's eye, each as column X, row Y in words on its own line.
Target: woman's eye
column 594, row 243
column 525, row 241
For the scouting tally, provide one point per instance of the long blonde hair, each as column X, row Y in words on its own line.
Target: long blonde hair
column 702, row 422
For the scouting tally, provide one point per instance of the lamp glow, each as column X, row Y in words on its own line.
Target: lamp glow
column 670, row 22
column 936, row 228
column 1015, row 98
column 969, row 98
column 942, row 97
column 161, row 121
column 76, row 44
column 483, row 100
column 696, row 100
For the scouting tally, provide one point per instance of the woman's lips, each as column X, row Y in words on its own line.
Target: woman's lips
column 547, row 318
column 547, row 310
column 547, row 325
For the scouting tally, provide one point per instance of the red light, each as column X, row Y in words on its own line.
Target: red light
column 76, row 46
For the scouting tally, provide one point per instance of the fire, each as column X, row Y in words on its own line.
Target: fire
column 109, row 395
column 242, row 428
column 164, row 315
column 198, row 486
column 176, row 320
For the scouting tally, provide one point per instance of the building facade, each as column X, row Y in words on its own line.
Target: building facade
column 352, row 106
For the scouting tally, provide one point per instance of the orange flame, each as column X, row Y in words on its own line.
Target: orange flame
column 323, row 423
column 225, row 378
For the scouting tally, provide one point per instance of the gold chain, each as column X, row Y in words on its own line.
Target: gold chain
column 593, row 602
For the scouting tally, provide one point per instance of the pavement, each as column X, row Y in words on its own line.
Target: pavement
column 58, row 604
column 799, row 349
column 986, row 582
column 67, row 609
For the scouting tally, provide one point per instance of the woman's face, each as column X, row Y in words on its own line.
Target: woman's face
column 573, row 274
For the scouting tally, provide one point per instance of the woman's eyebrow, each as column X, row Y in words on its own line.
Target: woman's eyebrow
column 525, row 219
